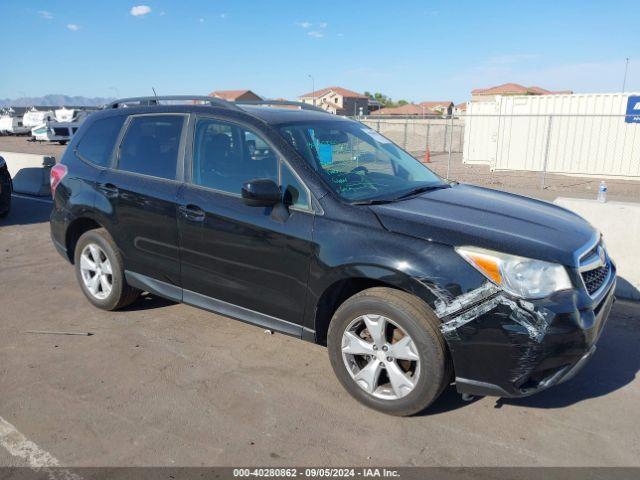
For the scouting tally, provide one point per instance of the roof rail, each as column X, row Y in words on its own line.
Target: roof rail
column 275, row 103
column 213, row 101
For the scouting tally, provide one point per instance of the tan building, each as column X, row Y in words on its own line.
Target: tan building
column 442, row 108
column 460, row 109
column 338, row 100
column 489, row 94
column 422, row 108
column 234, row 95
column 408, row 109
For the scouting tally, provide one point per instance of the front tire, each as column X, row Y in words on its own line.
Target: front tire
column 100, row 271
column 386, row 349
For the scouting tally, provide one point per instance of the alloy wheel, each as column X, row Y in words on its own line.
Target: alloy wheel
column 95, row 268
column 381, row 357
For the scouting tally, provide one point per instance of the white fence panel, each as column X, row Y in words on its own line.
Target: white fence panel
column 578, row 134
column 481, row 133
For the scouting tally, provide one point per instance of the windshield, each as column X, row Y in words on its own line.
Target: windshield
column 358, row 163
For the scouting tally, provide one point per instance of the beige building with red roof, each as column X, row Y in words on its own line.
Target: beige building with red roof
column 489, row 94
column 338, row 100
column 422, row 108
column 408, row 109
column 460, row 109
column 444, row 107
column 234, row 95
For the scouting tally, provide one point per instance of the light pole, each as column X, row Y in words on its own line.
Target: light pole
column 313, row 89
column 626, row 68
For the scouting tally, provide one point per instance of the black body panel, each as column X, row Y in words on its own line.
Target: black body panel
column 469, row 215
column 279, row 268
column 6, row 187
column 245, row 255
column 141, row 215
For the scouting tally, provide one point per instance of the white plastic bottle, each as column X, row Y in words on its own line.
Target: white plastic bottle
column 602, row 192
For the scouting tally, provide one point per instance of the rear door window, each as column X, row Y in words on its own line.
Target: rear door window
column 151, row 145
column 96, row 145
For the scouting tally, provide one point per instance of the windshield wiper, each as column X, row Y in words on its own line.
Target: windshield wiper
column 423, row 189
column 374, row 201
column 411, row 193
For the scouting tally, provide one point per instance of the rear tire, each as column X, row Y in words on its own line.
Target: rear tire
column 100, row 271
column 410, row 374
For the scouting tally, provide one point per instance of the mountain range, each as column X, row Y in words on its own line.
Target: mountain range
column 55, row 101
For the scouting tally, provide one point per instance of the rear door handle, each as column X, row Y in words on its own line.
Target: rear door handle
column 192, row 212
column 109, row 189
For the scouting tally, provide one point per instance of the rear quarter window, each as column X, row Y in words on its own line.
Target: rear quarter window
column 97, row 144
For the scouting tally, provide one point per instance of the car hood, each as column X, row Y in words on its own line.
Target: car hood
column 481, row 217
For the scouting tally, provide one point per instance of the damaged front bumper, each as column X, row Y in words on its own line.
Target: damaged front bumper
column 507, row 347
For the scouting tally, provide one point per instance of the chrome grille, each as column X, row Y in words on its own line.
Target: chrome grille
column 595, row 268
column 593, row 279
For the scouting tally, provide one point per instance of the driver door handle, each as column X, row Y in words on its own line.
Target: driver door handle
column 192, row 212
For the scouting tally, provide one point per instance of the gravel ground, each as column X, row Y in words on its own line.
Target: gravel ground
column 23, row 145
column 530, row 183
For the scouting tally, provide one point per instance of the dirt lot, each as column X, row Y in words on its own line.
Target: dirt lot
column 167, row 384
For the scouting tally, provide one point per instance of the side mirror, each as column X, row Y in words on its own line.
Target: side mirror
column 261, row 192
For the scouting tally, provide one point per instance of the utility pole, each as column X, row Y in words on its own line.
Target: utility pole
column 313, row 89
column 626, row 69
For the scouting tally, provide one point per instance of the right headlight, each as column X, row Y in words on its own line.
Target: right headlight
column 520, row 276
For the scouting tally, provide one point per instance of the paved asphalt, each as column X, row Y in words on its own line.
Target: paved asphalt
column 168, row 384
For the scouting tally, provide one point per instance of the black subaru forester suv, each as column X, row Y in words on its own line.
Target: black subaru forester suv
column 319, row 227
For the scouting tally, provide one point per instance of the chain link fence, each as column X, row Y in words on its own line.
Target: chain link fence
column 565, row 152
column 438, row 134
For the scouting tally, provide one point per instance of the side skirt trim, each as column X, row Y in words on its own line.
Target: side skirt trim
column 151, row 285
column 241, row 313
column 214, row 305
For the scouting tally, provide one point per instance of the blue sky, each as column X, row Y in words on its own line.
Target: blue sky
column 416, row 50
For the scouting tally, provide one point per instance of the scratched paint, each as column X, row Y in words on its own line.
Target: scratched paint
column 481, row 300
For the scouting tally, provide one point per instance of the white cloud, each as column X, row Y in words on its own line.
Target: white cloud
column 315, row 34
column 73, row 27
column 304, row 24
column 201, row 20
column 341, row 34
column 323, row 24
column 223, row 15
column 45, row 14
column 140, row 10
